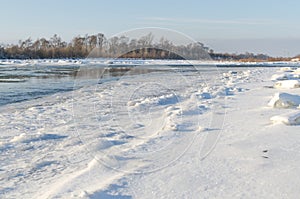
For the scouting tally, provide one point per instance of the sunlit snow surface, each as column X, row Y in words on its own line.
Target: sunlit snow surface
column 149, row 129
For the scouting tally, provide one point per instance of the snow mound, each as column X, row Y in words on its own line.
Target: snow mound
column 154, row 100
column 284, row 100
column 292, row 118
column 286, row 69
column 287, row 84
column 286, row 76
column 297, row 71
column 26, row 138
column 280, row 77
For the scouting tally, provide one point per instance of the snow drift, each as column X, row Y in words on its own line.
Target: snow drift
column 284, row 100
column 287, row 84
column 292, row 118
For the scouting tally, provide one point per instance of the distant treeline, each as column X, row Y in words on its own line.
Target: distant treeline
column 247, row 57
column 99, row 46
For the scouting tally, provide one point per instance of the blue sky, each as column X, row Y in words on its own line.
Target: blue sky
column 270, row 26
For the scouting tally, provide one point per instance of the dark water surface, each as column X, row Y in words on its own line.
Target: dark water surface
column 20, row 83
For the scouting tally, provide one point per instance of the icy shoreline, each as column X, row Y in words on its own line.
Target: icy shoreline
column 135, row 62
column 182, row 135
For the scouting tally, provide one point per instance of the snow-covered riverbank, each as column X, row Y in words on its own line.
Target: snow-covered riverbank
column 176, row 134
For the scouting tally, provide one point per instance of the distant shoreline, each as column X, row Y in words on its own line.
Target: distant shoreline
column 98, row 46
column 133, row 62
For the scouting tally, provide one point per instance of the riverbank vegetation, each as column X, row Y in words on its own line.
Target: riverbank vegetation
column 98, row 45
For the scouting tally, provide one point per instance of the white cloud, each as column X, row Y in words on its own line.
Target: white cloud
column 211, row 21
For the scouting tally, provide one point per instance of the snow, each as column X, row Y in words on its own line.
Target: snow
column 11, row 80
column 284, row 100
column 280, row 77
column 286, row 69
column 287, row 84
column 287, row 100
column 166, row 134
column 297, row 71
column 292, row 118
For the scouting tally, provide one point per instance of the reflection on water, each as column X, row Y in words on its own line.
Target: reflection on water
column 107, row 72
column 29, row 82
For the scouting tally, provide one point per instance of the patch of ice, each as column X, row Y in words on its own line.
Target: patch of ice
column 284, row 100
column 206, row 95
column 12, row 80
